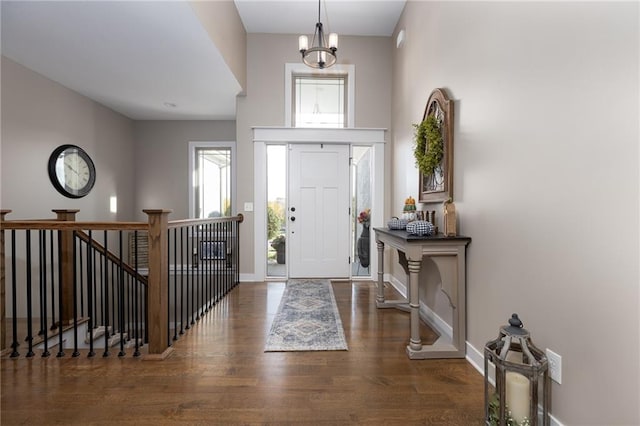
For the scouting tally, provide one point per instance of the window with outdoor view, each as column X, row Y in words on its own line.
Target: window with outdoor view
column 319, row 101
column 211, row 174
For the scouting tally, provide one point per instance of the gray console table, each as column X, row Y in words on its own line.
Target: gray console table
column 449, row 255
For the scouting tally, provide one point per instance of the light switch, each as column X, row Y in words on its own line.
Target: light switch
column 248, row 207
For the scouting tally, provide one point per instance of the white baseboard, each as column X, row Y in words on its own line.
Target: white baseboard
column 476, row 358
column 247, row 278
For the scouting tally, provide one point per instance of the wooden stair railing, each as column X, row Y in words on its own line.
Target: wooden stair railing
column 203, row 292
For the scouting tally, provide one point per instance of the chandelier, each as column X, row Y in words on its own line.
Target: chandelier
column 322, row 53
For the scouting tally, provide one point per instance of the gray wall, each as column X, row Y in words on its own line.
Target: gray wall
column 224, row 26
column 546, row 178
column 264, row 103
column 38, row 115
column 162, row 161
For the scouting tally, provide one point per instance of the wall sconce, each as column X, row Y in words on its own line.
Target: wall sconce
column 518, row 366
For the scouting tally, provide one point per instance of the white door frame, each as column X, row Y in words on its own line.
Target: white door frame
column 263, row 136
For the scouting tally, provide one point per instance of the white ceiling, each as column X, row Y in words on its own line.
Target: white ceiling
column 152, row 60
column 345, row 17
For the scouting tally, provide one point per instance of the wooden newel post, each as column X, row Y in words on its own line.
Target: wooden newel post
column 3, row 311
column 66, row 261
column 157, row 302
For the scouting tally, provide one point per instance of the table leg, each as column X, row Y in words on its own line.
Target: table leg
column 380, row 296
column 414, row 305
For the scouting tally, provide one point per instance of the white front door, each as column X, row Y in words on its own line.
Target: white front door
column 318, row 211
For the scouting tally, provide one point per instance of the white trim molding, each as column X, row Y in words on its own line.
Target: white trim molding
column 317, row 135
column 263, row 136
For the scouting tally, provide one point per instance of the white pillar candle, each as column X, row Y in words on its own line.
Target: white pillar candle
column 517, row 395
column 303, row 42
column 333, row 40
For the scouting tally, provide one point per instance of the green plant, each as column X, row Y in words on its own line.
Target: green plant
column 429, row 145
column 275, row 217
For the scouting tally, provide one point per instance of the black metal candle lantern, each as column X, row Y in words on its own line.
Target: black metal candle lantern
column 519, row 366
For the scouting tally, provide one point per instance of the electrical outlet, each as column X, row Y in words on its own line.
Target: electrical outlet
column 555, row 366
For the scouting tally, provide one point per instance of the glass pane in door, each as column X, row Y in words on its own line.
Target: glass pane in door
column 361, row 211
column 276, row 208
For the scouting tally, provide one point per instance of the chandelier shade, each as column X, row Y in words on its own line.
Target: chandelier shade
column 322, row 53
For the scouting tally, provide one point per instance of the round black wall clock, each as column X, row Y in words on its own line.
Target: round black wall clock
column 71, row 171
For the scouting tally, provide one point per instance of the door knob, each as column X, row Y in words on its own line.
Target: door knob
column 293, row 218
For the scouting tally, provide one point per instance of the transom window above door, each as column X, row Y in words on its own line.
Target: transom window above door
column 320, row 98
column 320, row 101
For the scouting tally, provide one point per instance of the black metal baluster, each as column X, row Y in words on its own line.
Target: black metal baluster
column 208, row 292
column 97, row 273
column 182, row 265
column 14, row 300
column 131, row 286
column 222, row 278
column 216, row 270
column 202, row 236
column 121, row 289
column 203, row 271
column 192, row 271
column 29, row 338
column 102, row 292
column 230, row 259
column 219, row 267
column 43, row 289
column 53, row 281
column 81, row 280
column 137, row 284
column 185, row 289
column 175, row 284
column 90, row 296
column 60, row 353
column 105, row 304
column 224, row 274
column 128, row 291
column 234, row 249
column 168, row 288
column 75, row 299
column 114, row 289
column 237, row 252
column 201, row 276
column 42, row 271
column 131, row 279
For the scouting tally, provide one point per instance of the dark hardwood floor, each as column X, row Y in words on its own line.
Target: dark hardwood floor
column 219, row 374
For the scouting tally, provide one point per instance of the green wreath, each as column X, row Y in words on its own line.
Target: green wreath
column 429, row 148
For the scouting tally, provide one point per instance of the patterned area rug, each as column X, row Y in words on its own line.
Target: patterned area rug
column 307, row 319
